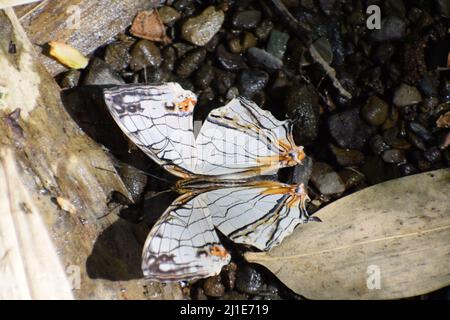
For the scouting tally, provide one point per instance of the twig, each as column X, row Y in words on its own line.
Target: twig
column 302, row 32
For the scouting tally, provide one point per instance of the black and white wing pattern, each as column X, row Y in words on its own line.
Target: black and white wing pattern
column 183, row 245
column 241, row 140
column 159, row 120
column 260, row 214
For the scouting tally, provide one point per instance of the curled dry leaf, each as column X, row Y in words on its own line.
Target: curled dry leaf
column 67, row 55
column 388, row 241
column 444, row 121
column 148, row 25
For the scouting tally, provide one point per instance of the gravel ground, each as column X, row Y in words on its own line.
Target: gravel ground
column 396, row 124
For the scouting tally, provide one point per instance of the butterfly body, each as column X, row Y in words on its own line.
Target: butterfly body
column 221, row 186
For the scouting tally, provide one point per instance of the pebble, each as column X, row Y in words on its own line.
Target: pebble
column 348, row 129
column 420, row 130
column 416, row 141
column 347, row 157
column 327, row 6
column 302, row 106
column 100, row 73
column 168, row 15
column 223, row 80
column 323, row 47
column 247, row 19
column 229, row 275
column 261, row 57
column 375, row 111
column 117, row 55
column 228, row 60
column 408, row 169
column 70, row 79
column 326, row 180
column 264, row 29
column 406, row 95
column 432, row 155
column 190, row 62
column 302, row 172
column 394, row 156
column 351, row 178
column 145, row 54
column 384, row 52
column 232, row 93
column 378, row 145
column 204, row 76
column 249, row 280
column 169, row 56
column 213, row 287
column 199, row 294
column 392, row 28
column 277, row 43
column 234, row 295
column 201, row 29
column 251, row 81
column 374, row 170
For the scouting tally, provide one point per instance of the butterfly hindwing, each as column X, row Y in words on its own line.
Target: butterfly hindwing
column 183, row 244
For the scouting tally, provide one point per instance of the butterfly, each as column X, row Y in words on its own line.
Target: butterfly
column 235, row 144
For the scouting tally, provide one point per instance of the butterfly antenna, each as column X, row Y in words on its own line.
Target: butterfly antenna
column 140, row 171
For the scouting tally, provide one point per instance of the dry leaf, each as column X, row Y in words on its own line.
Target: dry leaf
column 67, row 55
column 388, row 241
column 148, row 25
column 444, row 121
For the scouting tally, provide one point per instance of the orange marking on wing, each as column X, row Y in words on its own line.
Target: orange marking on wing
column 219, row 251
column 187, row 105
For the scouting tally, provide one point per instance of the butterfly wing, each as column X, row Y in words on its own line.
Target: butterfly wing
column 159, row 120
column 183, row 244
column 260, row 214
column 240, row 139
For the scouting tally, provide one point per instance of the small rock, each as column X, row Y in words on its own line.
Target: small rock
column 420, row 130
column 229, row 275
column 168, row 14
column 378, row 145
column 394, row 156
column 234, row 295
column 406, row 95
column 324, row 48
column 263, row 30
column 223, row 81
column 247, row 19
column 351, row 178
column 302, row 105
column 204, row 76
column 199, row 294
column 249, row 41
column 327, row 5
column 148, row 25
column 145, row 54
column 201, row 29
column 277, row 43
column 302, row 172
column 262, row 57
column 432, row 155
column 347, row 157
column 326, row 180
column 232, row 93
column 348, row 129
column 70, row 79
column 182, row 48
column 252, row 81
column 392, row 28
column 374, row 169
column 408, row 169
column 213, row 287
column 416, row 141
column 375, row 112
column 169, row 55
column 229, row 61
column 234, row 44
column 100, row 73
column 444, row 120
column 384, row 53
column 190, row 62
column 117, row 55
column 248, row 280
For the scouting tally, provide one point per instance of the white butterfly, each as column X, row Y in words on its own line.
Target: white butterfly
column 236, row 142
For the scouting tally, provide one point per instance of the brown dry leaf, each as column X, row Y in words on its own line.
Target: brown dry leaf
column 388, row 241
column 444, row 121
column 67, row 55
column 148, row 25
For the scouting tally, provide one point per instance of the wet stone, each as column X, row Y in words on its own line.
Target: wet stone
column 265, row 59
column 347, row 157
column 348, row 129
column 100, row 73
column 375, row 111
column 394, row 156
column 232, row 93
column 252, row 81
column 264, row 29
column 70, row 79
column 326, row 180
column 378, row 145
column 117, row 55
column 392, row 28
column 408, row 169
column 145, row 54
column 201, row 29
column 351, row 178
column 247, row 19
column 384, row 53
column 416, row 141
column 213, row 287
column 406, row 95
column 302, row 105
column 169, row 55
column 229, row 275
column 248, row 280
column 168, row 15
column 190, row 62
column 277, row 43
column 204, row 76
column 432, row 155
column 228, row 60
column 223, row 81
column 421, row 131
column 302, row 172
column 199, row 294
